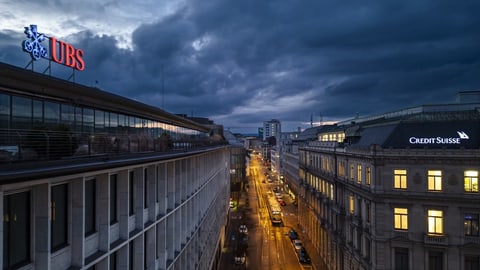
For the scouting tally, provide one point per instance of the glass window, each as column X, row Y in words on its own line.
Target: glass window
column 113, row 199
column 145, row 189
column 434, row 180
column 435, row 260
column 471, row 181
column 16, row 230
column 472, row 262
column 400, row 218
column 400, row 179
column 352, row 172
column 88, row 119
column 21, row 113
column 401, row 258
column 90, row 200
column 131, row 208
column 37, row 112
column 59, row 217
column 4, row 111
column 435, row 222
column 51, row 113
column 359, row 173
column 67, row 115
column 352, row 204
column 368, row 176
column 99, row 121
column 470, row 224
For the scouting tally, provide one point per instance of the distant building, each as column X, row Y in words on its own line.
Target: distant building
column 271, row 128
column 397, row 190
column 92, row 180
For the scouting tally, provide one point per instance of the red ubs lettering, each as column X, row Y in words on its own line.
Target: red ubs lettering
column 65, row 54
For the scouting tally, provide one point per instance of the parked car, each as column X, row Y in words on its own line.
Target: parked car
column 278, row 195
column 297, row 244
column 303, row 256
column 240, row 256
column 282, row 202
column 293, row 234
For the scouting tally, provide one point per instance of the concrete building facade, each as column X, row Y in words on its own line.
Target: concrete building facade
column 91, row 180
column 395, row 191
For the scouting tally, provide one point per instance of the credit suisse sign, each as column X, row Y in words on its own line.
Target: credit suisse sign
column 439, row 140
column 60, row 52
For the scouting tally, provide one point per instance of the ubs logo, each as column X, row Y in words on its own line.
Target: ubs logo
column 62, row 52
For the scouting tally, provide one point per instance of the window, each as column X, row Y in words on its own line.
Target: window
column 470, row 224
column 471, row 181
column 368, row 176
column 4, row 111
column 352, row 172
column 472, row 262
column 145, row 189
column 435, row 222
column 131, row 207
column 401, row 258
column 113, row 261
column 368, row 212
column 90, row 201
column 113, row 199
column 16, row 230
column 434, row 180
column 59, row 217
column 21, row 113
column 400, row 221
column 400, row 179
column 352, row 204
column 435, row 260
column 359, row 173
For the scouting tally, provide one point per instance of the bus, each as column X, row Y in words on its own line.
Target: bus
column 274, row 210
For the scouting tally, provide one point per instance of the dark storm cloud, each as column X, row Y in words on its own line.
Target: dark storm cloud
column 244, row 62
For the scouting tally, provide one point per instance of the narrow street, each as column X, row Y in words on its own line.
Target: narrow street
column 269, row 246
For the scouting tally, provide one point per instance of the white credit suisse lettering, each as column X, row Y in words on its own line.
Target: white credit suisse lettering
column 437, row 140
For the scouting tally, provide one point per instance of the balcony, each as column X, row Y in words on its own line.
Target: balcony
column 401, row 235
column 431, row 239
column 471, row 240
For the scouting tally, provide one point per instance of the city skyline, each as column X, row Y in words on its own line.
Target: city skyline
column 240, row 64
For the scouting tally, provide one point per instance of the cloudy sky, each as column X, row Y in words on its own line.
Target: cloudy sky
column 240, row 63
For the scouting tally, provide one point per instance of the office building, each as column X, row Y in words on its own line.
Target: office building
column 92, row 180
column 397, row 190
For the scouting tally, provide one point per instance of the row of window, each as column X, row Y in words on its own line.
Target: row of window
column 435, row 221
column 16, row 234
column 435, row 180
column 17, row 112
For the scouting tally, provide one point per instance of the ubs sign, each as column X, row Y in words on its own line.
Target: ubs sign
column 61, row 52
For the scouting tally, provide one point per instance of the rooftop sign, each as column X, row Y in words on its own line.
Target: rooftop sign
column 61, row 52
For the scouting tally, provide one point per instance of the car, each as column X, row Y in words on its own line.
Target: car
column 278, row 195
column 293, row 234
column 243, row 229
column 303, row 256
column 240, row 256
column 275, row 189
column 282, row 202
column 298, row 244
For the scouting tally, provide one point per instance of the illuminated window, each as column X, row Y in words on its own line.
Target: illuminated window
column 400, row 179
column 434, row 180
column 352, row 204
column 400, row 221
column 435, row 221
column 368, row 176
column 470, row 224
column 359, row 173
column 471, row 181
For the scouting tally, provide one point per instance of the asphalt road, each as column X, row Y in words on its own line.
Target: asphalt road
column 269, row 247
